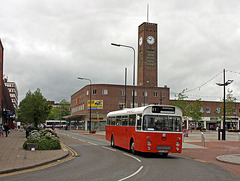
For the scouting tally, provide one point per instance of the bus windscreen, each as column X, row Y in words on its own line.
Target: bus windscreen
column 162, row 123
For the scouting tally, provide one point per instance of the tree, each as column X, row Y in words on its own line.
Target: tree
column 53, row 114
column 34, row 108
column 229, row 104
column 64, row 108
column 194, row 110
column 60, row 111
column 181, row 102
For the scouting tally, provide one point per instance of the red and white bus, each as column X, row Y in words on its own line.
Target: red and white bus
column 55, row 123
column 153, row 128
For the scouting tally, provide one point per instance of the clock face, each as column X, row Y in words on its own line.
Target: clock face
column 150, row 40
column 140, row 41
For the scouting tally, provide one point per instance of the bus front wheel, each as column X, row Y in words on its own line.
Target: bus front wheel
column 132, row 147
column 112, row 142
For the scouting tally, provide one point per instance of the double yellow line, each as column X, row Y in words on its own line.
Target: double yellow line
column 198, row 160
column 72, row 156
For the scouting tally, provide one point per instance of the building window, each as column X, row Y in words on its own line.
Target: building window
column 208, row 110
column 234, row 111
column 144, row 94
column 105, row 92
column 87, row 93
column 135, row 93
column 218, row 110
column 94, row 91
column 122, row 92
column 155, row 94
column 201, row 110
column 150, row 57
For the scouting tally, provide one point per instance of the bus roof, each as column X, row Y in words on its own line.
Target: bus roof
column 140, row 110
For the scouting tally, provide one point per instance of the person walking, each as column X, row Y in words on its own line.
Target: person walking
column 1, row 129
column 6, row 129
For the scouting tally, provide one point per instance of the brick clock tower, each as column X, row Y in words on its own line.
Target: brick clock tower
column 147, row 55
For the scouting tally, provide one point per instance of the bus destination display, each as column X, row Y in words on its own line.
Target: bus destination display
column 162, row 109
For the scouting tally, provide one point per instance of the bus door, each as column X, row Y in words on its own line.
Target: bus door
column 130, row 132
column 138, row 129
column 126, row 131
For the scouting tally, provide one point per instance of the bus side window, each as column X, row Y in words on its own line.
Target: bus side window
column 125, row 120
column 113, row 121
column 119, row 121
column 132, row 120
column 139, row 121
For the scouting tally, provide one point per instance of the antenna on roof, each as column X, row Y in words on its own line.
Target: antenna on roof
column 147, row 13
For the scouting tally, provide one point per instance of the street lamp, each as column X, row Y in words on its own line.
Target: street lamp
column 126, row 46
column 224, row 107
column 90, row 101
column 161, row 98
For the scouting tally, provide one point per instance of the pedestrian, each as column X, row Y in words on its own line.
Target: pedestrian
column 1, row 129
column 6, row 129
column 27, row 131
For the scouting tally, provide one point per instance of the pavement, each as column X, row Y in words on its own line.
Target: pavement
column 13, row 157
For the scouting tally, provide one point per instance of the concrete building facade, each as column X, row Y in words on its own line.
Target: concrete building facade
column 1, row 80
column 108, row 97
column 13, row 92
column 213, row 116
column 7, row 112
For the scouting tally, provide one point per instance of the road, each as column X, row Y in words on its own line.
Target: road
column 96, row 160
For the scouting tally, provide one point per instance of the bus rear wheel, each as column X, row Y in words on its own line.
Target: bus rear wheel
column 112, row 142
column 132, row 147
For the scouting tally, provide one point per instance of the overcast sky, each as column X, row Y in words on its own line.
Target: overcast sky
column 49, row 43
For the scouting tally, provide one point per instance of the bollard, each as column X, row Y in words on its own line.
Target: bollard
column 203, row 139
column 219, row 131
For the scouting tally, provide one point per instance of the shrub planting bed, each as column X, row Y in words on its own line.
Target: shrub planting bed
column 45, row 139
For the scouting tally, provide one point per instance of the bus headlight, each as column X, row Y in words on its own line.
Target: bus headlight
column 177, row 143
column 177, row 149
column 149, row 143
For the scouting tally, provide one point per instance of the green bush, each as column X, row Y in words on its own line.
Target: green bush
column 48, row 144
column 46, row 139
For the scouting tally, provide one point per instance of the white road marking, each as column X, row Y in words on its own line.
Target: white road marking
column 132, row 174
column 132, row 157
column 92, row 143
column 108, row 148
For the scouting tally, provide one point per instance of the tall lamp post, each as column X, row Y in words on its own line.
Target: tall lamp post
column 126, row 46
column 224, row 106
column 90, row 93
